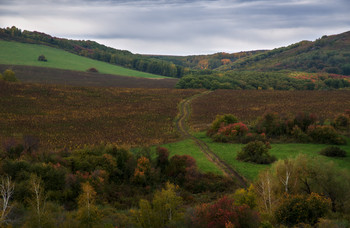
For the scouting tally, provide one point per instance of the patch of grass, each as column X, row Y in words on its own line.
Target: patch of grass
column 228, row 153
column 189, row 147
column 15, row 53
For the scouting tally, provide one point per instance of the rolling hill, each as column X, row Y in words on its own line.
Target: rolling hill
column 94, row 50
column 15, row 53
column 329, row 54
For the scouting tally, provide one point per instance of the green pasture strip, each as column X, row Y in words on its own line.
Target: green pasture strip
column 189, row 147
column 15, row 53
column 228, row 153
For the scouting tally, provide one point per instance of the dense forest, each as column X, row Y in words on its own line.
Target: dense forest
column 94, row 50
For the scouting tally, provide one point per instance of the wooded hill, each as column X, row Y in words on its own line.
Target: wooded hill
column 329, row 54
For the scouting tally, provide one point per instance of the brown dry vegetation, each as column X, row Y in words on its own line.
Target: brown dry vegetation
column 45, row 75
column 73, row 116
column 247, row 105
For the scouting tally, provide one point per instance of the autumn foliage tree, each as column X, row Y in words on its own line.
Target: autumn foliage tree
column 295, row 209
column 179, row 168
column 221, row 121
column 224, row 212
column 87, row 214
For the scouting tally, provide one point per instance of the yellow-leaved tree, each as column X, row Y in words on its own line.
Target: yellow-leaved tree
column 165, row 209
column 87, row 214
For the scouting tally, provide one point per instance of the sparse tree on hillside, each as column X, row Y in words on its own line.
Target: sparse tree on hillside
column 9, row 76
column 42, row 58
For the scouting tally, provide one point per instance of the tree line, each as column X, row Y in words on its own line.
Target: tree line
column 255, row 80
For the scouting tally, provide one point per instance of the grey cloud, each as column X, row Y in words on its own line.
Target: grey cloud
column 169, row 26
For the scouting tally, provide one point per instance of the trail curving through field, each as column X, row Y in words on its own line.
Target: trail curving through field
column 181, row 123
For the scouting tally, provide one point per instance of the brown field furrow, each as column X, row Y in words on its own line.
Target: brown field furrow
column 74, row 116
column 248, row 105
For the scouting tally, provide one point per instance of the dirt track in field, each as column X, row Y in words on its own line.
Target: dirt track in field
column 184, row 113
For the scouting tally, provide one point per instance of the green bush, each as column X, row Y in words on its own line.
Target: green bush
column 333, row 151
column 42, row 58
column 299, row 135
column 256, row 152
column 341, row 121
column 296, row 209
column 325, row 134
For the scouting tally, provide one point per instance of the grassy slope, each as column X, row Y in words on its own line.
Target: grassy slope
column 16, row 53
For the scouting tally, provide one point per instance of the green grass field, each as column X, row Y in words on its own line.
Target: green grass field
column 228, row 153
column 15, row 53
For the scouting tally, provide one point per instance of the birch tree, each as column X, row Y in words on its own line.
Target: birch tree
column 264, row 187
column 6, row 191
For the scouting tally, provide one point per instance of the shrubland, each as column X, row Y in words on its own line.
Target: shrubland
column 87, row 186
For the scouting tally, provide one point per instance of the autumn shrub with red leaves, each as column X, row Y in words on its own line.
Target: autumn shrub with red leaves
column 224, row 212
column 231, row 132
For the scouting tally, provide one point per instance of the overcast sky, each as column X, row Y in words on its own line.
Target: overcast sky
column 180, row 27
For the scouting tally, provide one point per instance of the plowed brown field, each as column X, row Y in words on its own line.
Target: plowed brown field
column 247, row 105
column 62, row 116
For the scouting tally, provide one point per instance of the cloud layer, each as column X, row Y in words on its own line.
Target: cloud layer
column 181, row 27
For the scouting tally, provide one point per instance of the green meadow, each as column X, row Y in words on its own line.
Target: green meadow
column 15, row 53
column 228, row 153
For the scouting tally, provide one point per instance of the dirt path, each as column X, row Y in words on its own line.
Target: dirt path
column 185, row 111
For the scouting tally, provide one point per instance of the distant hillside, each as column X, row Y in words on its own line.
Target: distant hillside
column 15, row 53
column 95, row 51
column 207, row 62
column 329, row 54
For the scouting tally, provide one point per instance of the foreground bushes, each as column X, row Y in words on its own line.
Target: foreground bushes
column 302, row 128
column 224, row 213
column 325, row 134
